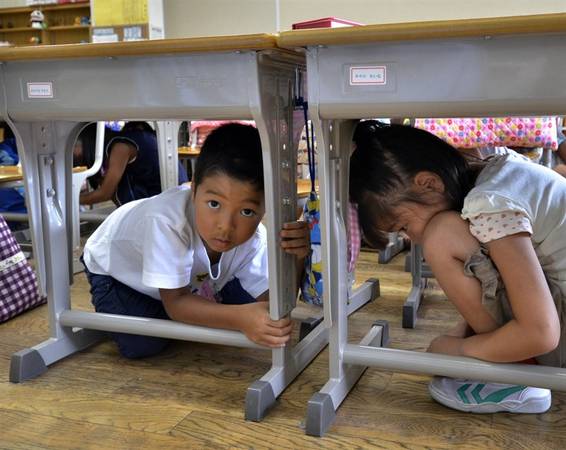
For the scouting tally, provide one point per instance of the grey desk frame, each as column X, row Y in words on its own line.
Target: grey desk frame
column 458, row 73
column 163, row 86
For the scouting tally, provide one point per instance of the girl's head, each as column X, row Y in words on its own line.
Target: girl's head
column 228, row 187
column 85, row 148
column 401, row 176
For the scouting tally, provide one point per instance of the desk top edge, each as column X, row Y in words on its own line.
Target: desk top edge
column 410, row 31
column 142, row 48
column 491, row 26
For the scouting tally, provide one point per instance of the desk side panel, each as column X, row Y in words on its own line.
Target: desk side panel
column 506, row 75
column 204, row 86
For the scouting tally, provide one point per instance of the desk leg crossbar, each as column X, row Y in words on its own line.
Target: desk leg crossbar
column 288, row 363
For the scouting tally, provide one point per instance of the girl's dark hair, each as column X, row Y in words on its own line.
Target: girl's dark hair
column 87, row 138
column 384, row 164
column 8, row 133
column 137, row 126
column 233, row 149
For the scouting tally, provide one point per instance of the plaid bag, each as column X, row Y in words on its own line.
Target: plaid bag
column 18, row 284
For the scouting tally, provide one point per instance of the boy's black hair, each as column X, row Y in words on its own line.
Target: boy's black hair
column 232, row 149
column 384, row 164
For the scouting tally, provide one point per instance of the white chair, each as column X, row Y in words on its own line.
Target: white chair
column 78, row 181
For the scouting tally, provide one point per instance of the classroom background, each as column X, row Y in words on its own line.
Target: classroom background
column 193, row 395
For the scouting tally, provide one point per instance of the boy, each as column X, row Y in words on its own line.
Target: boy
column 195, row 255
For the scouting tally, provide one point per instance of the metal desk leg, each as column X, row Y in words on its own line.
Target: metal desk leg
column 395, row 246
column 334, row 143
column 420, row 272
column 280, row 125
column 47, row 169
column 167, row 139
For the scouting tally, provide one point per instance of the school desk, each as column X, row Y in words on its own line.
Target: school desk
column 190, row 154
column 9, row 175
column 463, row 68
column 13, row 174
column 49, row 92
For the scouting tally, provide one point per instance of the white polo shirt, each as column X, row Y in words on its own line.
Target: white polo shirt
column 152, row 243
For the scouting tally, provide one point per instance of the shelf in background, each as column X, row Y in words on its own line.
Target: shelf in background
column 19, row 30
column 68, row 27
column 62, row 25
column 29, row 9
column 64, row 6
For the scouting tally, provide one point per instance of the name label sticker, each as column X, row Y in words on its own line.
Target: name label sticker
column 40, row 90
column 368, row 75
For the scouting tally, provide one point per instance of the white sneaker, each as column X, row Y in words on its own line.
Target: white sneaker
column 478, row 397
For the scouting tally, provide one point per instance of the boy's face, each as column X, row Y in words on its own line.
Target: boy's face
column 227, row 212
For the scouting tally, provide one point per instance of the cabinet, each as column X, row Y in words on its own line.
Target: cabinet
column 67, row 23
column 126, row 20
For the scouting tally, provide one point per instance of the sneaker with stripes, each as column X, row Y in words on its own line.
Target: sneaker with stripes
column 480, row 397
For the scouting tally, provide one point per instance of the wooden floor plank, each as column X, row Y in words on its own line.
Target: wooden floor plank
column 192, row 395
column 30, row 431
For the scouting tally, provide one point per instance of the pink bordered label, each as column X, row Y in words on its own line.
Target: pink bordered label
column 368, row 75
column 40, row 90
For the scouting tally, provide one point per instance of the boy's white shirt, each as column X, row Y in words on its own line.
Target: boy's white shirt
column 152, row 243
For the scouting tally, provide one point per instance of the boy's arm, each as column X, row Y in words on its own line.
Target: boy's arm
column 252, row 319
column 295, row 240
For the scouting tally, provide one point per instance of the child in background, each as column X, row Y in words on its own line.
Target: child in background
column 195, row 254
column 495, row 238
column 130, row 168
column 12, row 199
column 559, row 157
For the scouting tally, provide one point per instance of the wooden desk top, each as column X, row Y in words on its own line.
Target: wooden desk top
column 138, row 48
column 188, row 151
column 10, row 173
column 14, row 173
column 304, row 187
column 492, row 26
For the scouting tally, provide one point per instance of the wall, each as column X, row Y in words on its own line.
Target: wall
column 186, row 18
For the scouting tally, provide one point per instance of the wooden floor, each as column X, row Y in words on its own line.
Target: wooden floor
column 192, row 396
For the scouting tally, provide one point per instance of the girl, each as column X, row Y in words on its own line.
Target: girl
column 130, row 168
column 476, row 225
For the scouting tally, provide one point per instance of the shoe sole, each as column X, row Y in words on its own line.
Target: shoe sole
column 531, row 406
